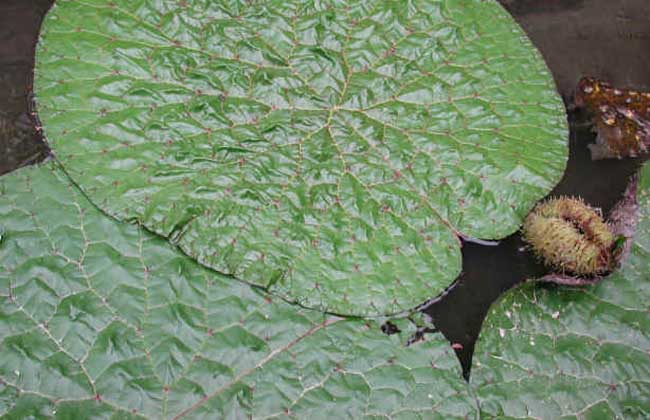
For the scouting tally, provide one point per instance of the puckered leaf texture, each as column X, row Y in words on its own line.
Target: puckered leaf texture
column 101, row 319
column 330, row 151
column 583, row 353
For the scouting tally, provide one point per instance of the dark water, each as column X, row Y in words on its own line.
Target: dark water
column 608, row 39
column 488, row 271
column 20, row 143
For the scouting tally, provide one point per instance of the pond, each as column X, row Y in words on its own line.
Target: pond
column 601, row 38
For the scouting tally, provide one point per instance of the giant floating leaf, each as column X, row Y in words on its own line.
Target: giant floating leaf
column 331, row 151
column 101, row 319
column 585, row 353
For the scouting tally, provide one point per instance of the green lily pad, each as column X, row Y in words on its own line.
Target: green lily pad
column 101, row 319
column 572, row 353
column 330, row 152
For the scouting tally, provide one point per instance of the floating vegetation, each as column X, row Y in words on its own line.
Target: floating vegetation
column 621, row 117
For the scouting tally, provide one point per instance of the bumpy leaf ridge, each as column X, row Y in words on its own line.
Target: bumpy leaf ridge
column 556, row 352
column 329, row 151
column 101, row 319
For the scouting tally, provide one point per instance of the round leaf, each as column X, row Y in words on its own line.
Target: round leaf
column 330, row 152
column 100, row 319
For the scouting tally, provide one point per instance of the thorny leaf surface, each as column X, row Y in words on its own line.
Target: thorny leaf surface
column 331, row 152
column 100, row 319
column 621, row 117
column 549, row 352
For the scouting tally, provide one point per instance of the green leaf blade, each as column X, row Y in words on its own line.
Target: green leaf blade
column 552, row 352
column 121, row 324
column 332, row 154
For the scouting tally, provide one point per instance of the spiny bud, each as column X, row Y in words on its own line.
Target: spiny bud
column 570, row 236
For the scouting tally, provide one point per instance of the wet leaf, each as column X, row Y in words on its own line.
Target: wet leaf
column 548, row 352
column 621, row 117
column 333, row 153
column 101, row 319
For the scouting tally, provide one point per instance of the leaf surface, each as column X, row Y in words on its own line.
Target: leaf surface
column 101, row 319
column 575, row 353
column 330, row 152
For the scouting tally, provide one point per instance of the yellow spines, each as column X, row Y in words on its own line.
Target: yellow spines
column 570, row 236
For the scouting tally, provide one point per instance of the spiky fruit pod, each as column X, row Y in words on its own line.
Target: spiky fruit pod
column 570, row 236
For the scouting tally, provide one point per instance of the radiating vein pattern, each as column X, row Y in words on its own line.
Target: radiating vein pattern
column 330, row 151
column 100, row 319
